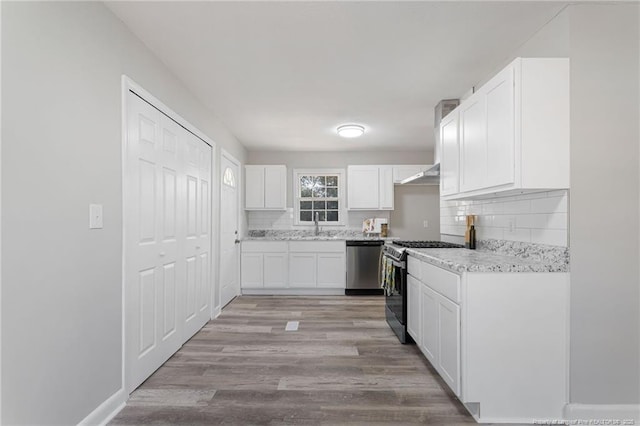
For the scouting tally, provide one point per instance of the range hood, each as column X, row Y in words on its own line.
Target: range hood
column 431, row 176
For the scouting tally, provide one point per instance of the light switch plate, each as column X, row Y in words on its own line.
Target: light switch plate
column 95, row 216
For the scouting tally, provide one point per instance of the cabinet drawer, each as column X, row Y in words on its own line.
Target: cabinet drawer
column 317, row 246
column 413, row 267
column 264, row 247
column 444, row 282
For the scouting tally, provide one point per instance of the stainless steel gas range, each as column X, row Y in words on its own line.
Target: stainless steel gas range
column 394, row 272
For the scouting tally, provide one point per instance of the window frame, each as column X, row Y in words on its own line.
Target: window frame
column 297, row 173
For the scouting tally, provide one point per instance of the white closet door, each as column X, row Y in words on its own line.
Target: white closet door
column 153, row 235
column 197, row 250
column 168, row 238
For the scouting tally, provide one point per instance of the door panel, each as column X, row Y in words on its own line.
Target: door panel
column 429, row 323
column 473, row 144
column 500, row 129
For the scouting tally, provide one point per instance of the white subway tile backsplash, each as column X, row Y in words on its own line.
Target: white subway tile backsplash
column 540, row 217
column 554, row 237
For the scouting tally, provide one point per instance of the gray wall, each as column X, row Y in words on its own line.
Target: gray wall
column 605, row 321
column 61, row 142
column 413, row 204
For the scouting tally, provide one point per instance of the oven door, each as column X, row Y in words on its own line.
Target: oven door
column 396, row 298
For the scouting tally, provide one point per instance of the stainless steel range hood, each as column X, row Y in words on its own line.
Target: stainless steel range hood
column 431, row 176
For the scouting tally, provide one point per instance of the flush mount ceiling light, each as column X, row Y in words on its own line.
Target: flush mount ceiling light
column 350, row 130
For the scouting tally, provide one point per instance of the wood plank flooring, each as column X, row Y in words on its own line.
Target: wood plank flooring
column 342, row 366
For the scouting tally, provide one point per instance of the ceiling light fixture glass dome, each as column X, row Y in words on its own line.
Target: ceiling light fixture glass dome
column 350, row 130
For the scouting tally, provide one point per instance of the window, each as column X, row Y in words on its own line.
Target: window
column 318, row 192
column 228, row 178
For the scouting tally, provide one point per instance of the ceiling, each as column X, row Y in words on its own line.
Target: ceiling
column 284, row 75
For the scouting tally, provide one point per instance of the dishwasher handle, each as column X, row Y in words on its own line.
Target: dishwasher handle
column 364, row 243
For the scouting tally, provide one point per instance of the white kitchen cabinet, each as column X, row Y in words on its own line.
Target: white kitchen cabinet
column 251, row 270
column 263, row 264
column 477, row 330
column 331, row 270
column 449, row 154
column 513, row 133
column 449, row 342
column 401, row 172
column 370, row 187
column 265, row 187
column 473, row 141
column 275, row 270
column 429, row 324
column 302, row 270
column 413, row 310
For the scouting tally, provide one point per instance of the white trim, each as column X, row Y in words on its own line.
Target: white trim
column 0, row 223
column 294, row 292
column 602, row 412
column 107, row 410
column 342, row 185
column 128, row 85
column 224, row 153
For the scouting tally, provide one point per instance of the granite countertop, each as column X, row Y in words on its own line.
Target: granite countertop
column 497, row 256
column 306, row 235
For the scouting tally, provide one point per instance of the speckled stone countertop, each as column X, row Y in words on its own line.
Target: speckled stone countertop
column 308, row 235
column 498, row 256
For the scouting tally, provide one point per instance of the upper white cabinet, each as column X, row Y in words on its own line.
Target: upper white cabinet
column 511, row 135
column 266, row 187
column 370, row 187
column 449, row 154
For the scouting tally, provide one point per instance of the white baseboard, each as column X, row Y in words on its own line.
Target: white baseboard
column 107, row 410
column 293, row 292
column 620, row 412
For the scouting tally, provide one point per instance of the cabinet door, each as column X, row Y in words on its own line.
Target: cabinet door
column 331, row 270
column 429, row 324
column 449, row 155
column 254, row 187
column 275, row 270
column 413, row 308
column 473, row 143
column 275, row 187
column 385, row 174
column 448, row 364
column 363, row 187
column 302, row 270
column 251, row 273
column 500, row 129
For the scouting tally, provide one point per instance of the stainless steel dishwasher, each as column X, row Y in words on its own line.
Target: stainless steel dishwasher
column 363, row 266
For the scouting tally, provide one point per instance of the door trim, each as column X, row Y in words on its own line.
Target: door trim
column 128, row 85
column 225, row 154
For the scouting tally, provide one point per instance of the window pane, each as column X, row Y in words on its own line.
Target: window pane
column 320, row 180
column 305, row 192
column 332, row 192
column 306, row 205
column 332, row 180
column 332, row 205
column 305, row 215
column 319, row 205
column 321, row 216
column 332, row 216
column 319, row 192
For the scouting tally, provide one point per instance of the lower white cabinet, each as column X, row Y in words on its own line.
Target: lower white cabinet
column 295, row 267
column 263, row 264
column 413, row 311
column 302, row 270
column 478, row 329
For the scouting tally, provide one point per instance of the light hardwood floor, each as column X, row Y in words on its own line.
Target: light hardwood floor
column 343, row 366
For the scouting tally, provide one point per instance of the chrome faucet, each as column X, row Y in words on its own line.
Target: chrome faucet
column 316, row 220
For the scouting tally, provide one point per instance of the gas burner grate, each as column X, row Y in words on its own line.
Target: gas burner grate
column 426, row 244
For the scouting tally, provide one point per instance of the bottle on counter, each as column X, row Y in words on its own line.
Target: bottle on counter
column 384, row 230
column 472, row 237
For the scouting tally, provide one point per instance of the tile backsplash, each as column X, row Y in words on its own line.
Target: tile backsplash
column 284, row 220
column 540, row 217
